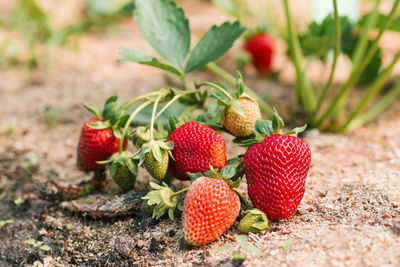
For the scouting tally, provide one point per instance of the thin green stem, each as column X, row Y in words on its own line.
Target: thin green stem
column 128, row 123
column 216, row 86
column 226, row 76
column 304, row 92
column 362, row 44
column 183, row 80
column 175, row 98
column 137, row 99
column 168, row 105
column 378, row 108
column 153, row 114
column 371, row 92
column 354, row 76
column 335, row 57
column 180, row 192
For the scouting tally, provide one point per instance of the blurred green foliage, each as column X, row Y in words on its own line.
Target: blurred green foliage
column 34, row 28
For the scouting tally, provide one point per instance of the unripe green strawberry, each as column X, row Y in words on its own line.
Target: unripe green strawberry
column 157, row 169
column 123, row 169
column 254, row 221
column 242, row 126
column 210, row 208
column 124, row 178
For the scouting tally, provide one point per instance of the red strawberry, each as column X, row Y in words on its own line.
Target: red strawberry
column 96, row 145
column 210, row 208
column 276, row 171
column 262, row 48
column 195, row 147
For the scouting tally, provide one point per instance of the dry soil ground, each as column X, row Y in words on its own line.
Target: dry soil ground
column 349, row 215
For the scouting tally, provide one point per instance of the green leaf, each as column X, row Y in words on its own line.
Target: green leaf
column 296, row 130
column 94, row 110
column 99, row 125
column 239, row 84
column 141, row 58
column 165, row 27
column 320, row 37
column 277, row 122
column 171, row 214
column 45, row 248
column 238, row 255
column 194, row 176
column 30, row 241
column 255, row 250
column 223, row 248
column 228, row 171
column 242, row 241
column 264, row 127
column 235, row 104
column 381, row 20
column 167, row 145
column 371, row 71
column 260, row 225
column 214, row 44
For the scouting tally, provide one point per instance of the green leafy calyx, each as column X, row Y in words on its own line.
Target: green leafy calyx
column 164, row 199
column 254, row 221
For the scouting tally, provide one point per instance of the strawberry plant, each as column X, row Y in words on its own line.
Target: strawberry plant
column 189, row 146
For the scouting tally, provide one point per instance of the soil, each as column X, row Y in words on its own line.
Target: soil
column 350, row 214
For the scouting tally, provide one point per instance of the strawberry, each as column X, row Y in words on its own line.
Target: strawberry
column 210, row 208
column 276, row 170
column 123, row 169
column 157, row 169
column 237, row 111
column 262, row 49
column 242, row 126
column 195, row 147
column 95, row 145
column 100, row 136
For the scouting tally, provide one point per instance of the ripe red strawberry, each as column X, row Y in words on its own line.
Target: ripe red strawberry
column 210, row 208
column 195, row 147
column 96, row 145
column 262, row 49
column 276, row 171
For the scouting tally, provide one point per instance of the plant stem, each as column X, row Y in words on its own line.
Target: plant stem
column 183, row 80
column 180, row 192
column 226, row 76
column 137, row 99
column 153, row 117
column 362, row 43
column 336, row 54
column 354, row 76
column 304, row 91
column 128, row 123
column 378, row 108
column 372, row 91
column 216, row 86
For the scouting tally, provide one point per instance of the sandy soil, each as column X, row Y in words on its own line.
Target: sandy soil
column 350, row 214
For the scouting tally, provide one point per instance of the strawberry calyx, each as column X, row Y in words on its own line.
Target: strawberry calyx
column 113, row 116
column 164, row 199
column 155, row 147
column 265, row 128
column 225, row 99
column 254, row 221
column 119, row 160
column 227, row 174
